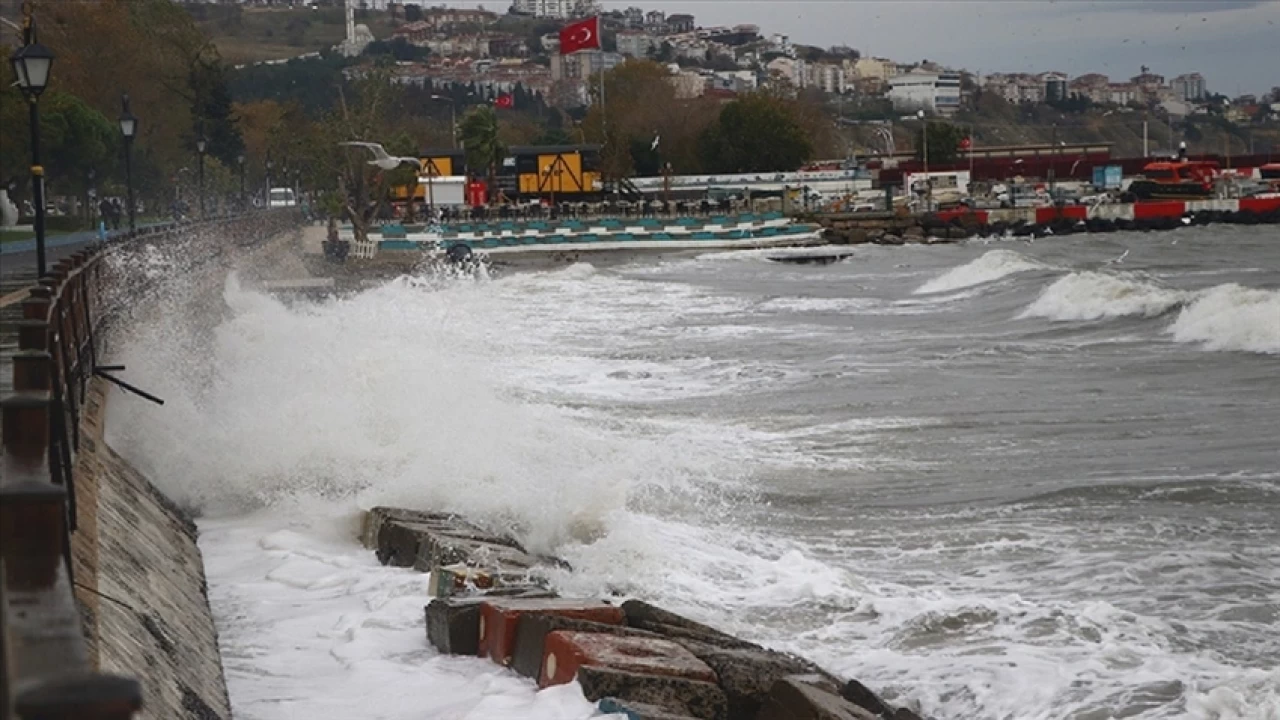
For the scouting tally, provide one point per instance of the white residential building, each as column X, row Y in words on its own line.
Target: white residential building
column 828, row 77
column 583, row 65
column 879, row 68
column 938, row 92
column 1189, row 87
column 688, row 84
column 562, row 9
column 637, row 43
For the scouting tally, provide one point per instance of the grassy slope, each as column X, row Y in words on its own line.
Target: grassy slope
column 246, row 35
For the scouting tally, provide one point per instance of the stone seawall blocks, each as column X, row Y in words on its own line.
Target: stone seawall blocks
column 566, row 651
column 533, row 629
column 499, row 618
column 453, row 623
column 641, row 614
column 793, row 698
column 747, row 675
column 639, row 711
column 694, row 698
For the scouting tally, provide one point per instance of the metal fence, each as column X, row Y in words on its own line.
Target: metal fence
column 45, row 670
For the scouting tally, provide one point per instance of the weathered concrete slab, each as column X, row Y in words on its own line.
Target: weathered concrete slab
column 748, row 675
column 638, row 711
column 793, row 698
column 641, row 614
column 499, row 618
column 566, row 650
column 532, row 630
column 694, row 698
column 453, row 623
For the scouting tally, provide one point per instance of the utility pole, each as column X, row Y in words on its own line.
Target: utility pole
column 1053, row 163
column 1145, row 151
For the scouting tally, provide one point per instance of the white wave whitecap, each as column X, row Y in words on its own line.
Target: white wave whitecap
column 992, row 266
column 1232, row 317
column 1096, row 296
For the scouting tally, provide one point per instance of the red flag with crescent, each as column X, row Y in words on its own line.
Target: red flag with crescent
column 965, row 143
column 504, row 102
column 583, row 35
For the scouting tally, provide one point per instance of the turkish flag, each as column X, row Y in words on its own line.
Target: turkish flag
column 965, row 143
column 584, row 35
column 505, row 102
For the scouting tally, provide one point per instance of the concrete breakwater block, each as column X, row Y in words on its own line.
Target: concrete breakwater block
column 748, row 675
column 694, row 698
column 499, row 619
column 794, row 698
column 638, row 711
column 533, row 628
column 453, row 623
column 645, row 616
column 566, row 651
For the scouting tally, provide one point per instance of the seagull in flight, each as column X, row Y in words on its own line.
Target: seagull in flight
column 381, row 158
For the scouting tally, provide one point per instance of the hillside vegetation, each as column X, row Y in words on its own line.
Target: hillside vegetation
column 252, row 34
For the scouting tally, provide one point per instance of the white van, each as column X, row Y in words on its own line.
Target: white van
column 282, row 197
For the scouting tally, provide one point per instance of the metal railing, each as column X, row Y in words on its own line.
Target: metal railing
column 45, row 670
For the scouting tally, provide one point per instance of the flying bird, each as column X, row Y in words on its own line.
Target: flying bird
column 381, row 158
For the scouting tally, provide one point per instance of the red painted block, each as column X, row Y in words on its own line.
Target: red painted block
column 1161, row 208
column 1067, row 212
column 1260, row 205
column 499, row 618
column 566, row 651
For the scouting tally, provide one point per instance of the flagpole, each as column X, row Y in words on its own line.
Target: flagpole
column 604, row 123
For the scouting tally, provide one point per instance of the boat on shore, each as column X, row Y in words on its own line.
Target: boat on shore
column 1175, row 180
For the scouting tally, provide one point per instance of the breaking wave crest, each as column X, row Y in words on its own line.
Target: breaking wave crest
column 992, row 266
column 1095, row 296
column 393, row 396
column 1232, row 317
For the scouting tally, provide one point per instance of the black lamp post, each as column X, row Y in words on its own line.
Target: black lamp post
column 128, row 128
column 89, row 193
column 32, row 64
column 201, row 143
column 266, row 195
column 240, row 162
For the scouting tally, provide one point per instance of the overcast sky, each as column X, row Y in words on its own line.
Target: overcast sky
column 1234, row 43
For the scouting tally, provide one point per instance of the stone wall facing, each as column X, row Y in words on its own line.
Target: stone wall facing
column 140, row 582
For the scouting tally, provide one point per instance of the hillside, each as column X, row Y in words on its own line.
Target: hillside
column 252, row 34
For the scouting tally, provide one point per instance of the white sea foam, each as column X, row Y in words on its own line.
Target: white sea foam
column 1232, row 317
column 1092, row 295
column 287, row 420
column 991, row 266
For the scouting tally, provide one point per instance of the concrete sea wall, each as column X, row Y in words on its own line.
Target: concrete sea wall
column 140, row 582
column 103, row 607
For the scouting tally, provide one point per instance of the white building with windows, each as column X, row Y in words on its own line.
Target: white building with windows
column 937, row 92
column 1189, row 87
column 562, row 9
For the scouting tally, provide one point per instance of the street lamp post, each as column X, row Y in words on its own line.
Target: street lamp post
column 128, row 128
column 90, row 193
column 31, row 64
column 201, row 144
column 453, row 116
column 240, row 162
column 266, row 193
column 928, row 181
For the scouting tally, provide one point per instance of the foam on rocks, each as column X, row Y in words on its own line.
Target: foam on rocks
column 635, row 660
